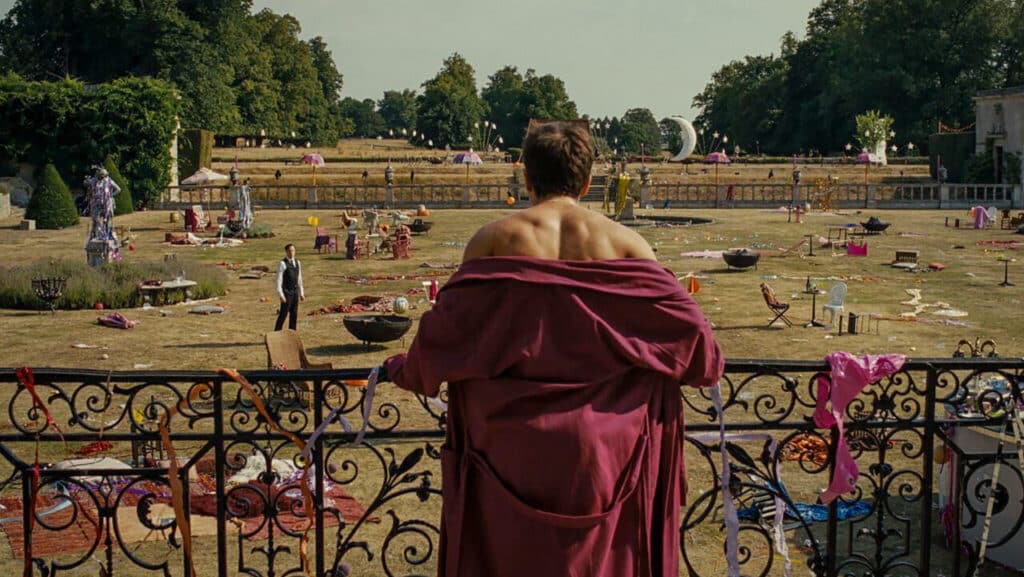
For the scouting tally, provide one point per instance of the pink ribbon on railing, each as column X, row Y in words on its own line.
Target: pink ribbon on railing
column 850, row 376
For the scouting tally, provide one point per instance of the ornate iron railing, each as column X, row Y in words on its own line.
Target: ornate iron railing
column 377, row 504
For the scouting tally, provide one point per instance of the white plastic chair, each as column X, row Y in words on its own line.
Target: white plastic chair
column 992, row 216
column 836, row 303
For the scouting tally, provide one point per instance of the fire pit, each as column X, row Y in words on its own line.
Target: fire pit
column 377, row 328
column 420, row 226
column 741, row 258
column 49, row 290
column 874, row 225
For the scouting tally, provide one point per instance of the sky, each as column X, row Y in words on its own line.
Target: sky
column 612, row 55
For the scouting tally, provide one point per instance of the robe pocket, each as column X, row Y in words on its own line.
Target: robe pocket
column 626, row 487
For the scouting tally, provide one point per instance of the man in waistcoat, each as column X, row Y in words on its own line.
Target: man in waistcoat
column 289, row 288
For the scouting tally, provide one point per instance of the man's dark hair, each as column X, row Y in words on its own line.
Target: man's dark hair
column 558, row 157
column 288, row 246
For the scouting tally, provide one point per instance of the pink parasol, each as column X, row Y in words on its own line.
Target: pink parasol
column 717, row 158
column 865, row 159
column 313, row 159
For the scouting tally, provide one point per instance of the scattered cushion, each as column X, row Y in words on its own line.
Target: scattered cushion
column 207, row 310
column 936, row 266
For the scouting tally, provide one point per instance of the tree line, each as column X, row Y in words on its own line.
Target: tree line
column 242, row 73
column 918, row 61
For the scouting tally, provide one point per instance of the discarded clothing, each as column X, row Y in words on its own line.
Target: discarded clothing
column 850, row 375
column 813, row 513
column 116, row 321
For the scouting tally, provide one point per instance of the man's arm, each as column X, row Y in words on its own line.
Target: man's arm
column 280, row 280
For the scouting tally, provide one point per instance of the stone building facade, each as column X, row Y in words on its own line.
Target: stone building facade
column 999, row 126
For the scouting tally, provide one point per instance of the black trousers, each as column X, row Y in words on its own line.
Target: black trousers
column 289, row 308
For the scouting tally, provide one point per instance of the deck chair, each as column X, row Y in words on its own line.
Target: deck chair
column 285, row 351
column 324, row 240
column 836, row 303
column 779, row 309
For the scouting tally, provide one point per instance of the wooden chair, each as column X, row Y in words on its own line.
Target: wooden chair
column 285, row 352
column 402, row 241
column 777, row 308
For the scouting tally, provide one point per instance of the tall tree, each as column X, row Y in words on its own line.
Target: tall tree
column 366, row 121
column 640, row 132
column 504, row 97
column 450, row 105
column 514, row 100
column 327, row 73
column 398, row 109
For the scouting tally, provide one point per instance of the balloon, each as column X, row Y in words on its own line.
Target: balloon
column 401, row 305
column 313, row 221
column 510, row 200
column 98, row 306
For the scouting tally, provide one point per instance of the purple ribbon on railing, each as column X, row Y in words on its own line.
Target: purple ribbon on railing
column 732, row 521
column 371, row 388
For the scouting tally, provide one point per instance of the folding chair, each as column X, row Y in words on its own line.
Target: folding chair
column 778, row 308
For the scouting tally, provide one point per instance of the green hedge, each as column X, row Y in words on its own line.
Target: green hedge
column 123, row 200
column 115, row 285
column 51, row 205
column 133, row 119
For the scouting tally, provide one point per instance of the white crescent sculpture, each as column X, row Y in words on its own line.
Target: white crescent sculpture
column 688, row 136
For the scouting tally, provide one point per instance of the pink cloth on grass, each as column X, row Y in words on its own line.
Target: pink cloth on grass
column 850, row 375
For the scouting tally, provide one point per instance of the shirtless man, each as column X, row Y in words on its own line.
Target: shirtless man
column 563, row 342
column 556, row 227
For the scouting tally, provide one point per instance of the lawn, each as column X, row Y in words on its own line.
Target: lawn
column 170, row 338
column 167, row 336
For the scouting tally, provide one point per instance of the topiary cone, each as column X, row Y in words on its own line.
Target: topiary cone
column 51, row 205
column 123, row 201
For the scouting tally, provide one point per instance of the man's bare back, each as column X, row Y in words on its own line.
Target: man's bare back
column 558, row 229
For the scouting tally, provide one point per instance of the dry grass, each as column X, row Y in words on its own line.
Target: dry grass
column 259, row 165
column 731, row 300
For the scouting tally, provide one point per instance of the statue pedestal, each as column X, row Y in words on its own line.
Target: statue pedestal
column 99, row 252
column 627, row 210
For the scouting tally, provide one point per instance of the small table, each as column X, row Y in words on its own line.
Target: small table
column 155, row 291
column 810, row 243
column 814, row 309
column 839, row 233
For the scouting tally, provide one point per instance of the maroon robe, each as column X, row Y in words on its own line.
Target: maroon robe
column 564, row 441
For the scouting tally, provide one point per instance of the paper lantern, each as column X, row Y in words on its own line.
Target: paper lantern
column 401, row 305
column 511, row 200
